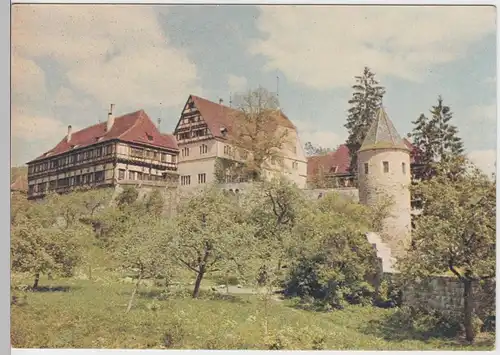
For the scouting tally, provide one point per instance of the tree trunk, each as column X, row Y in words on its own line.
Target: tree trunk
column 197, row 284
column 133, row 293
column 37, row 279
column 468, row 310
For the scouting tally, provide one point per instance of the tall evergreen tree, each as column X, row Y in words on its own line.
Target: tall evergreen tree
column 365, row 101
column 435, row 139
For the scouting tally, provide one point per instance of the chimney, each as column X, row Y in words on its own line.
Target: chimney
column 68, row 137
column 221, row 101
column 111, row 118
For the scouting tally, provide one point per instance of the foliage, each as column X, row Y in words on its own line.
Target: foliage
column 455, row 232
column 209, row 234
column 154, row 203
column 334, row 256
column 259, row 134
column 435, row 140
column 47, row 237
column 365, row 101
column 127, row 197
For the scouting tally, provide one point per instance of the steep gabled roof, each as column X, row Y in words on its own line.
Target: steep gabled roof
column 134, row 127
column 218, row 117
column 382, row 134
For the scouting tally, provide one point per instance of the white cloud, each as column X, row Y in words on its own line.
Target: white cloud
column 116, row 54
column 483, row 113
column 484, row 160
column 326, row 46
column 236, row 83
column 31, row 127
column 318, row 136
column 28, row 79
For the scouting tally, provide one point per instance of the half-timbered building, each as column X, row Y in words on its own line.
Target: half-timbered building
column 203, row 135
column 123, row 150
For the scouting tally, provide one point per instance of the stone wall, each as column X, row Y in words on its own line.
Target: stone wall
column 348, row 192
column 445, row 294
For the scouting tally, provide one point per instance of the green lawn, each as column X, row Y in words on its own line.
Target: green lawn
column 91, row 314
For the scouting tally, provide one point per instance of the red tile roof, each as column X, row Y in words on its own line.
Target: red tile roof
column 341, row 159
column 133, row 128
column 20, row 184
column 218, row 116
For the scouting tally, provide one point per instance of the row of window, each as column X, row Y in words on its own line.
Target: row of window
column 203, row 150
column 71, row 159
column 195, row 133
column 139, row 175
column 77, row 180
column 186, row 179
column 152, row 154
column 385, row 165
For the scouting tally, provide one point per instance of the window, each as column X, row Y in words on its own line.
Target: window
column 366, row 168
column 295, row 165
column 98, row 152
column 52, row 184
column 109, row 150
column 185, row 152
column 77, row 180
column 139, row 175
column 91, row 177
column 203, row 149
column 163, row 157
column 202, row 178
column 386, row 166
column 131, row 175
column 136, row 152
column 185, row 135
column 121, row 174
column 99, row 176
column 186, row 180
column 403, row 167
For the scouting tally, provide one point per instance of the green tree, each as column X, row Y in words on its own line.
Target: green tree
column 332, row 255
column 143, row 248
column 127, row 197
column 435, row 139
column 456, row 232
column 365, row 101
column 210, row 233
column 260, row 133
column 42, row 241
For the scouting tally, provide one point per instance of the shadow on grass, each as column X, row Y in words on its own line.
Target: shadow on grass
column 47, row 289
column 160, row 294
column 396, row 327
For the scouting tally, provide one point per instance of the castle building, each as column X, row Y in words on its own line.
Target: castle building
column 384, row 177
column 124, row 150
column 207, row 147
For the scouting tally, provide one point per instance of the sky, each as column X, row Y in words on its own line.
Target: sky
column 70, row 62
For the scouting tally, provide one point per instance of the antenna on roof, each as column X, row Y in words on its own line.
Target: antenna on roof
column 159, row 122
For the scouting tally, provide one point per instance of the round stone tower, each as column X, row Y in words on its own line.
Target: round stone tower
column 384, row 177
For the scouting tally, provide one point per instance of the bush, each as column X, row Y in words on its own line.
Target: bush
column 427, row 322
column 305, row 280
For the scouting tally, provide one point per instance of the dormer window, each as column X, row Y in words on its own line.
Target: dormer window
column 150, row 137
column 334, row 169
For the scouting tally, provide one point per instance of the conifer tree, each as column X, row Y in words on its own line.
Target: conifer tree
column 365, row 101
column 435, row 139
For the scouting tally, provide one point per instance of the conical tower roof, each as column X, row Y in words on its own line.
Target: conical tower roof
column 382, row 134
